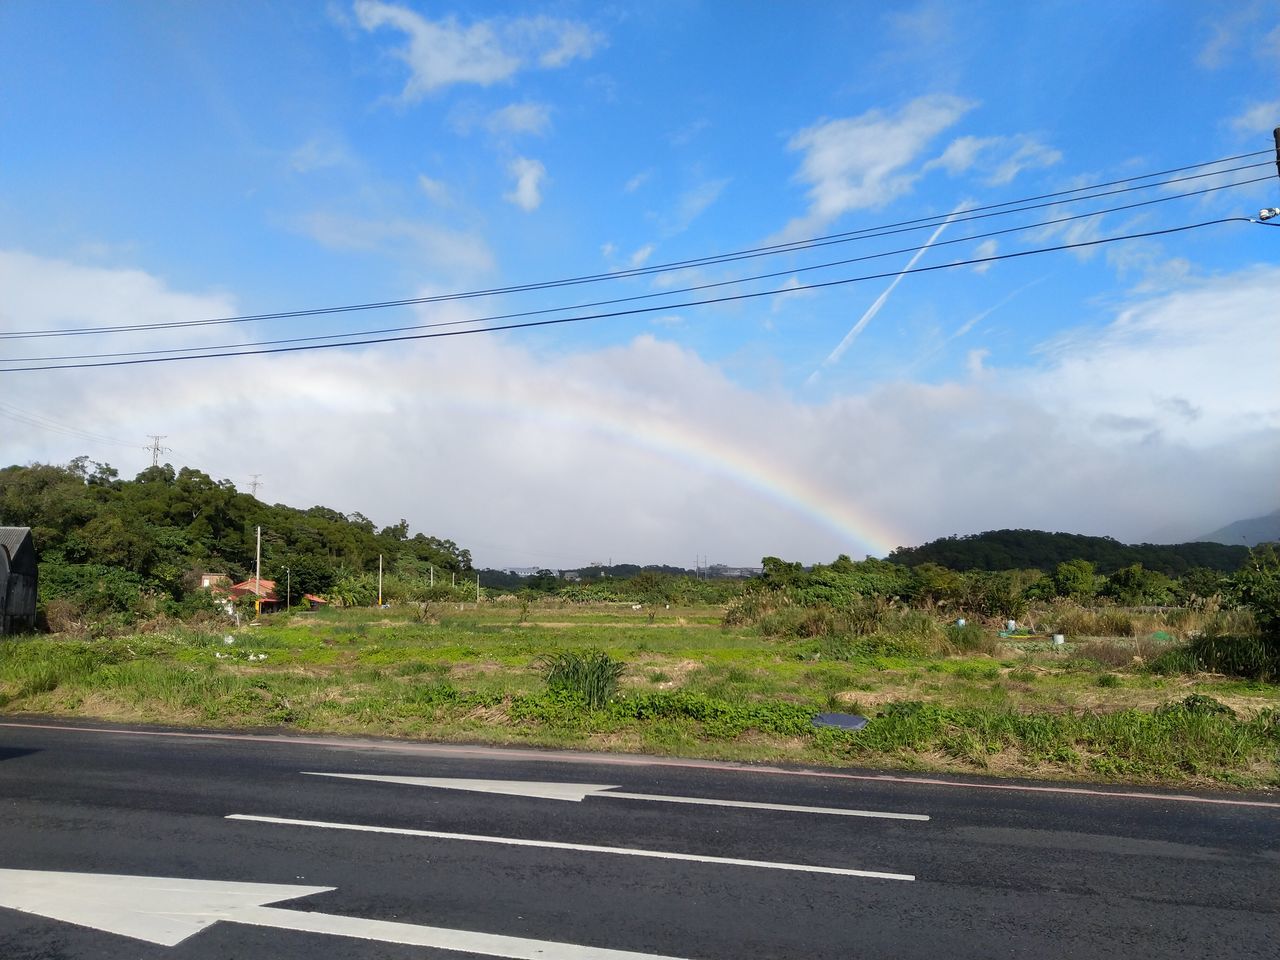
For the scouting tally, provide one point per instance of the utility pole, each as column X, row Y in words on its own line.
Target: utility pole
column 477, row 591
column 1270, row 213
column 155, row 448
column 254, row 484
column 288, row 588
column 433, row 574
column 257, row 574
column 379, row 581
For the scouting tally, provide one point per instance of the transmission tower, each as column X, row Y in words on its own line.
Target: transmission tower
column 155, row 448
column 254, row 484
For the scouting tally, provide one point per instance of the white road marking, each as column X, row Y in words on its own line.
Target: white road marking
column 456, row 751
column 579, row 847
column 166, row 911
column 543, row 790
column 550, row 790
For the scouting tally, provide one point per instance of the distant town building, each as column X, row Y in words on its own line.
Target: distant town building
column 19, row 576
column 264, row 590
column 215, row 582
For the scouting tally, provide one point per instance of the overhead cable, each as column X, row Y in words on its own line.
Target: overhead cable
column 297, row 346
column 958, row 216
column 317, row 338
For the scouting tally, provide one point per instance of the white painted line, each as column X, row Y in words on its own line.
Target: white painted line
column 538, row 789
column 167, row 910
column 577, row 792
column 579, row 847
column 757, row 805
column 533, row 755
column 463, row 941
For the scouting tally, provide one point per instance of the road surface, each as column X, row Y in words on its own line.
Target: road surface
column 161, row 844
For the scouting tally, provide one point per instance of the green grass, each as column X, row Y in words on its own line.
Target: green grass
column 691, row 686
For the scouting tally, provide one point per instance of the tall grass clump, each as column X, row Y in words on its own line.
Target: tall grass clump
column 590, row 676
column 971, row 638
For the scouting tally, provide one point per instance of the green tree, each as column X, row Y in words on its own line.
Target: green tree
column 1133, row 586
column 1257, row 586
column 1075, row 580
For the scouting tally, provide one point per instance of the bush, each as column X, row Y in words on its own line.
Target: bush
column 970, row 638
column 590, row 676
column 1175, row 660
column 1241, row 656
column 1196, row 705
column 1115, row 623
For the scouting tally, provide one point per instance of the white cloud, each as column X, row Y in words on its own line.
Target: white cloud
column 436, row 190
column 636, row 182
column 998, row 159
column 528, row 117
column 1257, row 118
column 559, row 42
column 987, row 248
column 440, row 53
column 974, row 361
column 641, row 256
column 962, row 153
column 1028, row 154
column 862, row 162
column 794, row 290
column 1155, row 416
column 689, row 132
column 692, row 204
column 1229, row 29
column 320, row 153
column 424, row 244
column 529, row 176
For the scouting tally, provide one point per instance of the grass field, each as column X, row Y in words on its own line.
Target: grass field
column 690, row 686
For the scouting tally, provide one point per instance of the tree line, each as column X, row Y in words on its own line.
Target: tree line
column 114, row 546
column 1043, row 551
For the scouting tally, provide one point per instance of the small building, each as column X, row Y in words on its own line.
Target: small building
column 217, row 582
column 264, row 590
column 19, row 576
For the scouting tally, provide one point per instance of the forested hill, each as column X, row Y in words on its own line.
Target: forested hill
column 1039, row 550
column 161, row 530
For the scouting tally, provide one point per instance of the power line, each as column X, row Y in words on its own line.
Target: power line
column 637, row 297
column 48, row 424
column 957, row 216
column 641, row 310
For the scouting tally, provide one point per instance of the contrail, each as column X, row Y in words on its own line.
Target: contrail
column 975, row 320
column 866, row 318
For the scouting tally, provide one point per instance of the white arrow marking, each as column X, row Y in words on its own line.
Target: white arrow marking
column 580, row 847
column 167, row 911
column 579, row 791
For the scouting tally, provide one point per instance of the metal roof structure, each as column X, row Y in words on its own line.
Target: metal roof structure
column 14, row 540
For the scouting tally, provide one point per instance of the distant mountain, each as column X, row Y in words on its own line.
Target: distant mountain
column 1248, row 533
column 1028, row 549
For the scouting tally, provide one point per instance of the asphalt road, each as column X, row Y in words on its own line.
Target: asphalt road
column 994, row 871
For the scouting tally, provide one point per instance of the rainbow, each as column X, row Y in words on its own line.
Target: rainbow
column 683, row 442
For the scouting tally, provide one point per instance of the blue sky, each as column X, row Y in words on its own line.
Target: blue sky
column 165, row 162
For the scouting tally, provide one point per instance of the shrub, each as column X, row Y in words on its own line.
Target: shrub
column 1115, row 623
column 1174, row 661
column 1074, row 621
column 877, row 645
column 970, row 638
column 1196, row 704
column 590, row 676
column 1241, row 656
